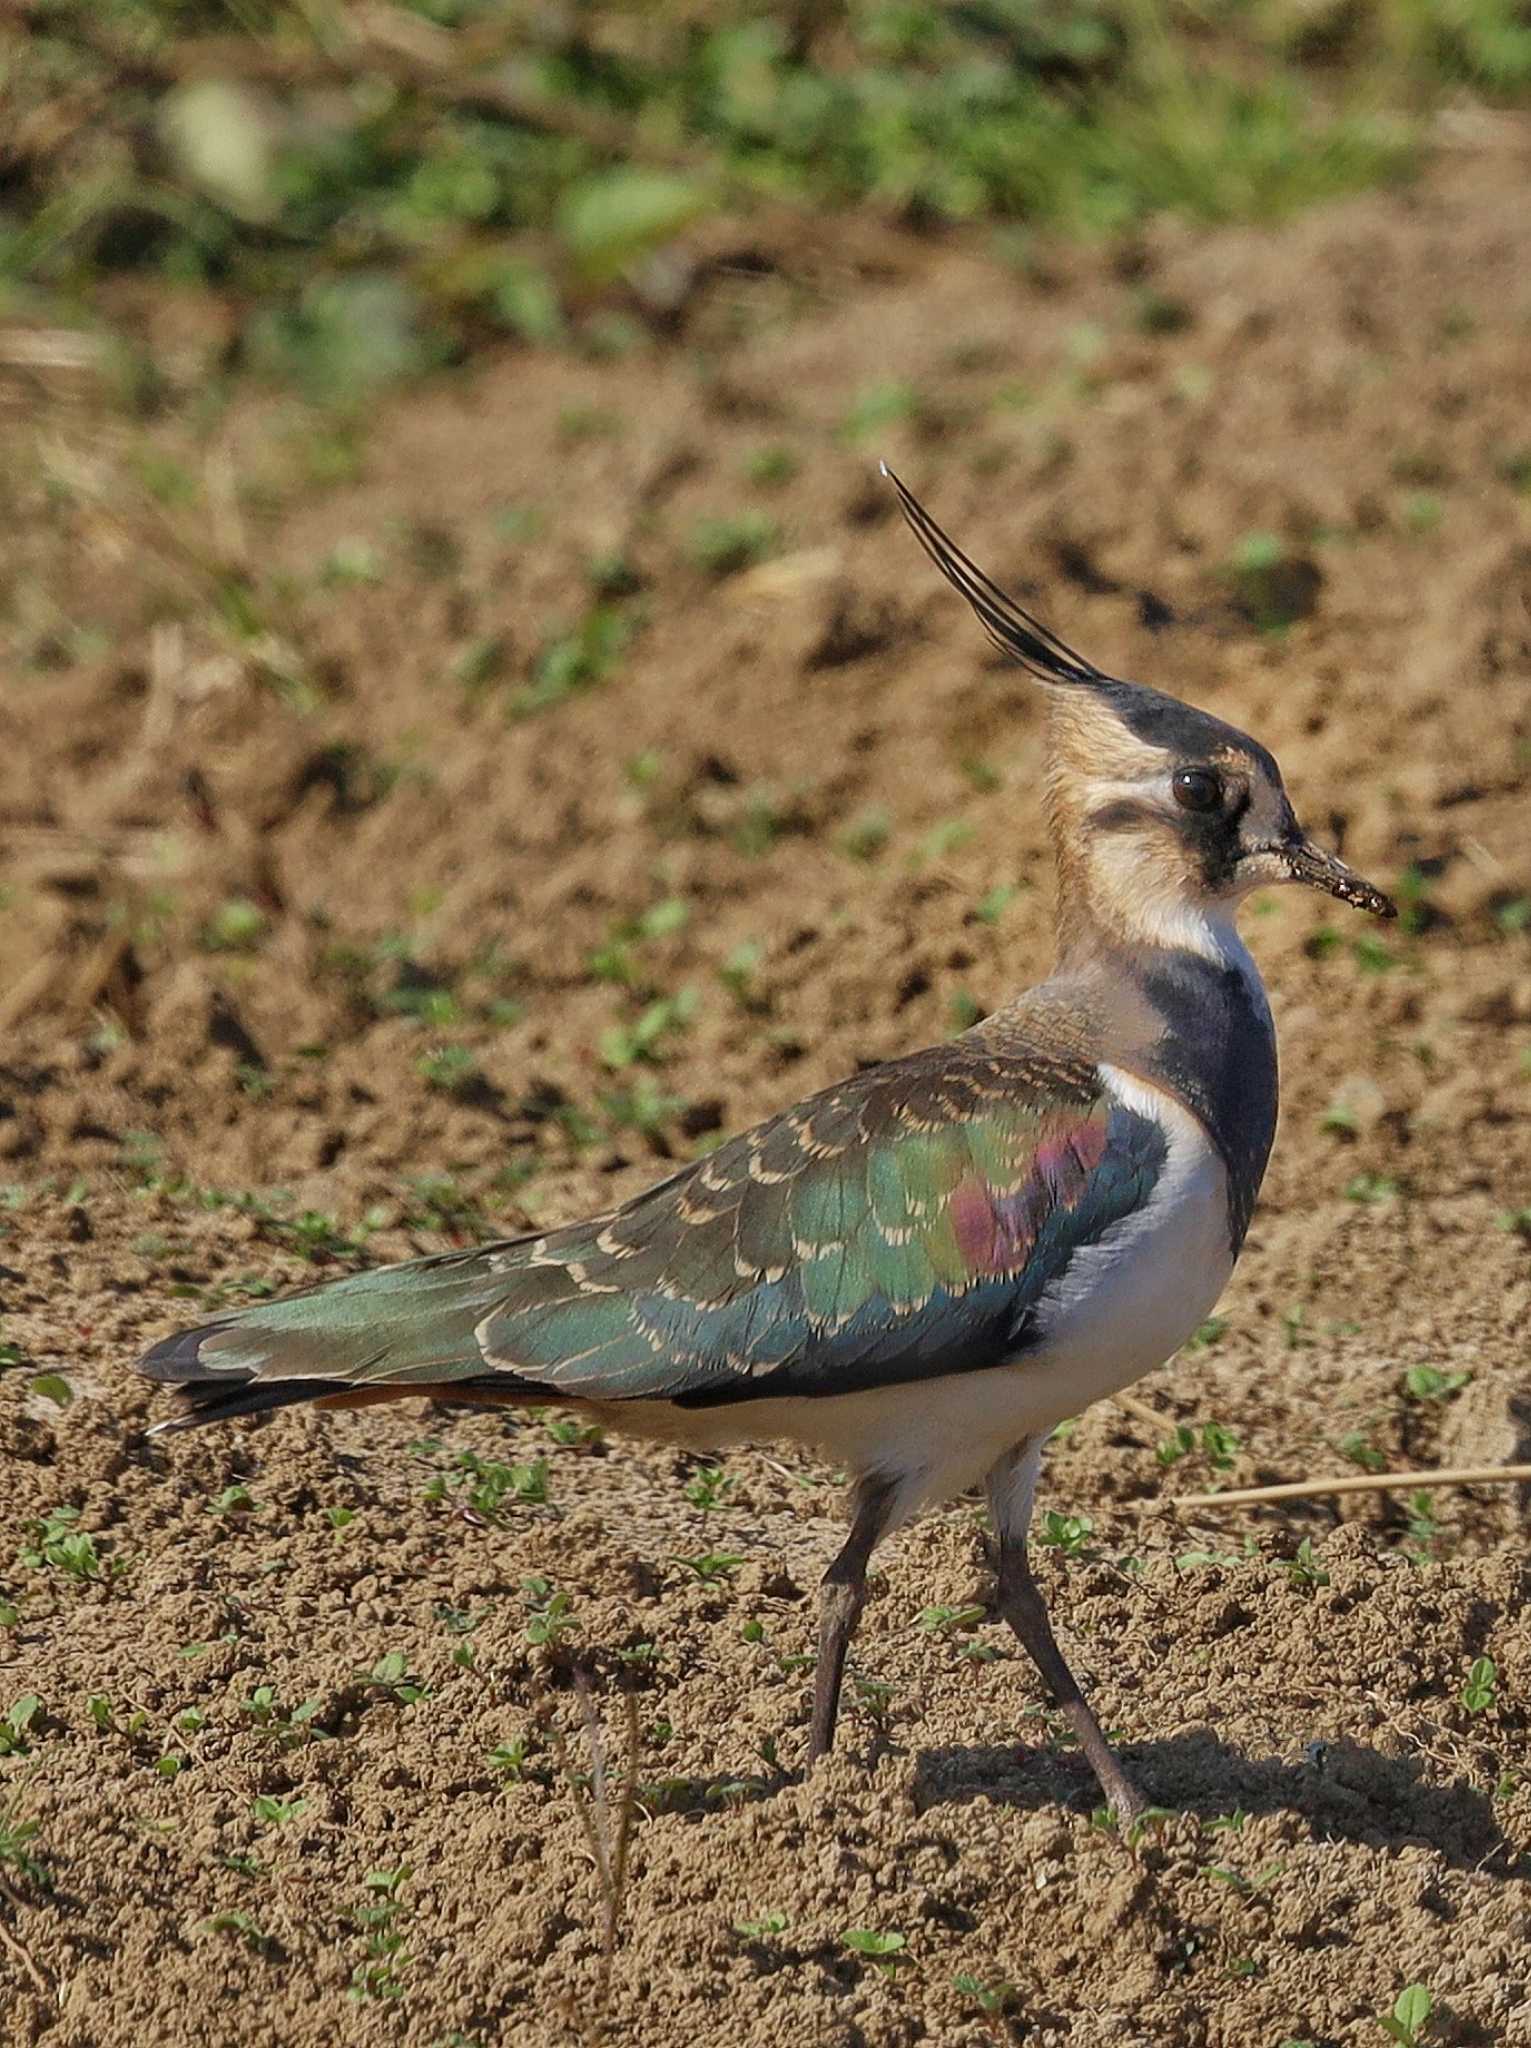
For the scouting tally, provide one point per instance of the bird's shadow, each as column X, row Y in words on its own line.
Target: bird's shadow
column 1340, row 1789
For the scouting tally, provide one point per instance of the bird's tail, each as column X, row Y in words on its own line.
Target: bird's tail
column 399, row 1331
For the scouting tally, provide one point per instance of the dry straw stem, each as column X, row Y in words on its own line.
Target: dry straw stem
column 1356, row 1482
column 607, row 1825
column 17, row 1948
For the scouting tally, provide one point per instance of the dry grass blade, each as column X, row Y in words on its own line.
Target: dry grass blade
column 607, row 1826
column 16, row 1947
column 1356, row 1482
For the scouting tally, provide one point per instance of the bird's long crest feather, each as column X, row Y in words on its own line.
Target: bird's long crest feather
column 1012, row 629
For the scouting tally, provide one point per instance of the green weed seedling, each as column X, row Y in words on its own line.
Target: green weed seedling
column 1304, row 1570
column 1249, row 1884
column 286, row 1727
column 274, row 1812
column 766, row 1928
column 512, row 1759
column 722, row 547
column 993, row 904
column 739, row 971
column 391, row 1674
column 489, row 1488
column 867, row 834
column 16, row 1851
column 552, row 1613
column 53, row 1543
column 707, row 1486
column 1360, row 1450
column 883, row 1950
column 570, row 1433
column 966, row 1011
column 1068, row 1533
column 875, row 1696
column 771, row 467
column 877, row 408
column 950, row 1621
column 15, row 1723
column 576, row 658
column 622, row 1045
column 993, row 2000
column 712, row 1565
column 380, row 1975
column 245, row 1925
column 1480, row 1690
column 1411, row 2013
column 1425, row 1527
column 1216, row 1443
column 1429, row 1383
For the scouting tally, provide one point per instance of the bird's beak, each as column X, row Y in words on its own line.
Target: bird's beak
column 1305, row 862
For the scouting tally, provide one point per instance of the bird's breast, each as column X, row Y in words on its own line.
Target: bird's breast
column 1126, row 1302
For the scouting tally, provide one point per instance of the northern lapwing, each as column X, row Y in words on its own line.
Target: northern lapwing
column 922, row 1271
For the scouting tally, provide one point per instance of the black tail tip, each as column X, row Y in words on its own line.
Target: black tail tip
column 208, row 1402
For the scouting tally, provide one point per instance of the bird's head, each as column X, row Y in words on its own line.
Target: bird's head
column 1163, row 816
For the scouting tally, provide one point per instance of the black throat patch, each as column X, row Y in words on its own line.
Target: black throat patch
column 1218, row 1056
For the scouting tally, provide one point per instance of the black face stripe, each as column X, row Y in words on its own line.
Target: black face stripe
column 1123, row 813
column 1213, row 837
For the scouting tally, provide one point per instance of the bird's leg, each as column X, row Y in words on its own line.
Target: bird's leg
column 1012, row 1489
column 840, row 1603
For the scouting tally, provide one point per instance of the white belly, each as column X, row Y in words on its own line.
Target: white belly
column 1123, row 1305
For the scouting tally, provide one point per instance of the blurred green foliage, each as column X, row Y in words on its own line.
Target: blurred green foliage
column 373, row 190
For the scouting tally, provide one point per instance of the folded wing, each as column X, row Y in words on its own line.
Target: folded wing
column 903, row 1225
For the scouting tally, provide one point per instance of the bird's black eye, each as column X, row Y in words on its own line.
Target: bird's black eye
column 1197, row 789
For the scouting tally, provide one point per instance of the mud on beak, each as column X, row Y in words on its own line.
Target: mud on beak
column 1305, row 862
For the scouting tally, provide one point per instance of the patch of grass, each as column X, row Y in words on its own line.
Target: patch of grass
column 576, row 658
column 723, row 546
column 551, row 1615
column 274, row 1812
column 771, row 467
column 54, row 1542
column 453, row 1069
column 1303, row 1568
column 236, row 926
column 707, row 1488
column 644, row 1039
column 865, row 837
column 16, row 1851
column 380, row 1975
column 371, row 214
column 712, row 1565
column 877, row 409
column 1217, row 1444
column 1428, row 1383
column 489, row 1488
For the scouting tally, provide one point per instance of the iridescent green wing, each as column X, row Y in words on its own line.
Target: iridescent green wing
column 903, row 1225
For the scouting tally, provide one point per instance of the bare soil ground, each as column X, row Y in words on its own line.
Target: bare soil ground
column 299, row 912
